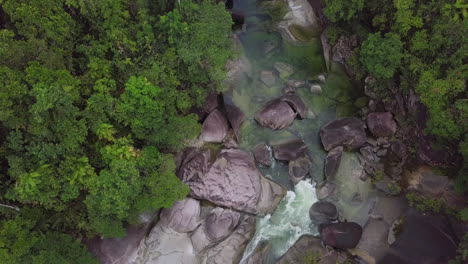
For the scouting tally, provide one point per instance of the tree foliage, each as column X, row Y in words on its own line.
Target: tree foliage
column 95, row 95
column 381, row 56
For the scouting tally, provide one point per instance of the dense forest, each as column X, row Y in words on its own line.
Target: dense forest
column 95, row 97
column 411, row 45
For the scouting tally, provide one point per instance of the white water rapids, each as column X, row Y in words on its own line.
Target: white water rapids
column 289, row 221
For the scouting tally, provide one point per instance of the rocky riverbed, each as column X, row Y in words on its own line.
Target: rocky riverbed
column 285, row 169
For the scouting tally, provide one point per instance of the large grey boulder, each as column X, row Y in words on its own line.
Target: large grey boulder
column 296, row 103
column 342, row 235
column 323, row 212
column 215, row 127
column 347, row 132
column 332, row 162
column 231, row 249
column 299, row 168
column 308, row 246
column 233, row 181
column 219, row 224
column 276, row 114
column 194, row 165
column 381, row 124
column 289, row 150
column 182, row 217
column 262, row 154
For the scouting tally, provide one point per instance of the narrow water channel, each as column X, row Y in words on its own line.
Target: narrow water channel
column 263, row 45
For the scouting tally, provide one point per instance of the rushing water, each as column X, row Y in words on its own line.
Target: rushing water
column 262, row 46
column 289, row 222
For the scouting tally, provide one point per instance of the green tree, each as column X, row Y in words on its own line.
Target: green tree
column 381, row 55
column 337, row 10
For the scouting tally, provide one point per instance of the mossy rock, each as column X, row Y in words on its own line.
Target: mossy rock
column 302, row 33
column 361, row 102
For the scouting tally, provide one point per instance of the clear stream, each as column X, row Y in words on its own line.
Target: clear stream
column 262, row 46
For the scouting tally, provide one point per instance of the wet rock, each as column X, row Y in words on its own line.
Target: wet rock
column 219, row 224
column 368, row 154
column 260, row 254
column 230, row 141
column 315, row 89
column 230, row 250
column 332, row 162
column 342, row 235
column 306, row 245
column 295, row 83
column 182, row 217
column 289, row 150
column 268, row 78
column 323, row 212
column 296, row 103
column 276, row 114
column 284, row 69
column 215, row 127
column 299, row 168
column 262, row 154
column 288, row 89
column 233, row 181
column 347, row 132
column 238, row 67
column 327, row 190
column 381, row 124
column 235, row 117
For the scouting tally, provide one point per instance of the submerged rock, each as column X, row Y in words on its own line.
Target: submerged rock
column 215, row 127
column 347, row 132
column 299, row 168
column 323, row 212
column 381, row 124
column 262, row 154
column 276, row 114
column 315, row 89
column 268, row 78
column 284, row 69
column 289, row 150
column 332, row 162
column 342, row 235
column 182, row 217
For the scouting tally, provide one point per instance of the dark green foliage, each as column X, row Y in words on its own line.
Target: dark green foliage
column 95, row 95
column 381, row 56
column 337, row 10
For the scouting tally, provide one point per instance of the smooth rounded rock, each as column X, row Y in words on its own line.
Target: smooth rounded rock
column 276, row 114
column 299, row 168
column 296, row 103
column 344, row 235
column 289, row 150
column 323, row 212
column 182, row 217
column 262, row 154
column 215, row 127
column 347, row 132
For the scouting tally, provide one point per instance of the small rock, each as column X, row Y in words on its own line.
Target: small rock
column 299, row 168
column 295, row 83
column 323, row 212
column 332, row 162
column 321, row 78
column 381, row 152
column 262, row 154
column 310, row 114
column 315, row 89
column 347, row 132
column 284, row 69
column 268, row 78
column 326, row 190
column 288, row 89
column 343, row 235
column 381, row 124
column 276, row 115
column 289, row 150
column 215, row 127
